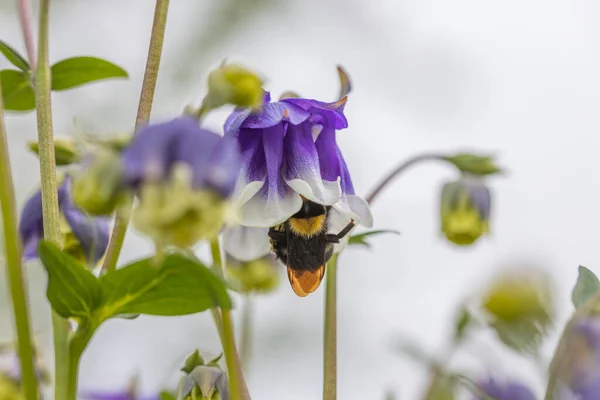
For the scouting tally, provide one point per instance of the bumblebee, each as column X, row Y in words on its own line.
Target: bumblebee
column 304, row 246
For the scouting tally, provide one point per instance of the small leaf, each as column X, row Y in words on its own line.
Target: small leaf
column 587, row 285
column 523, row 336
column 78, row 71
column 442, row 388
column 17, row 91
column 192, row 361
column 179, row 286
column 360, row 239
column 72, row 290
column 167, row 396
column 463, row 321
column 14, row 57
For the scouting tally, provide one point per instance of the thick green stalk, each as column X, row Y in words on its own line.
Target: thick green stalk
column 77, row 345
column 143, row 114
column 48, row 187
column 330, row 339
column 14, row 268
column 237, row 383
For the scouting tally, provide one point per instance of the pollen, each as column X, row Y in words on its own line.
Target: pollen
column 307, row 226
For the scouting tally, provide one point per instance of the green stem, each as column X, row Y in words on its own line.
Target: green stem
column 49, row 187
column 397, row 171
column 246, row 332
column 237, row 383
column 230, row 356
column 77, row 345
column 330, row 339
column 143, row 114
column 14, row 269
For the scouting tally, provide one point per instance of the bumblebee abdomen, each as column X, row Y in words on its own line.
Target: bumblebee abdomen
column 308, row 227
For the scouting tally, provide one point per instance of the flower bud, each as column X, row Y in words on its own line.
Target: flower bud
column 465, row 210
column 260, row 275
column 180, row 220
column 98, row 186
column 474, row 164
column 205, row 380
column 233, row 84
column 65, row 151
column 520, row 295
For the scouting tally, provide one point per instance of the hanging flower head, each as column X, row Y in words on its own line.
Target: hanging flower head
column 290, row 155
column 182, row 174
column 465, row 210
column 84, row 237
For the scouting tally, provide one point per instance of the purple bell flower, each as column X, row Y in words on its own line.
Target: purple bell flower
column 579, row 367
column 156, row 149
column 290, row 153
column 91, row 233
column 507, row 390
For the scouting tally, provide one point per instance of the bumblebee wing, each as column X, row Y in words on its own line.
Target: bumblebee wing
column 305, row 282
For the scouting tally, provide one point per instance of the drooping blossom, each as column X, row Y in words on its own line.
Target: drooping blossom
column 84, row 237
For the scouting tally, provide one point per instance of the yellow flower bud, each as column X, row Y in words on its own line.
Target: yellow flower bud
column 233, row 84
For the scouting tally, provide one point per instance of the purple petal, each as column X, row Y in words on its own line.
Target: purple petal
column 302, row 171
column 274, row 113
column 152, row 153
column 480, row 197
column 92, row 232
column 334, row 112
column 253, row 155
column 235, row 120
column 273, row 148
column 331, row 161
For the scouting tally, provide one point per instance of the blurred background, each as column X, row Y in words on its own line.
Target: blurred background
column 518, row 78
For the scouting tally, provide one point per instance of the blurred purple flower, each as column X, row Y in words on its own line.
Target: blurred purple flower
column 579, row 370
column 214, row 161
column 508, row 390
column 91, row 233
column 125, row 395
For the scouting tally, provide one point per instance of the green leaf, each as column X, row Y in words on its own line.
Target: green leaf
column 17, row 91
column 462, row 323
column 167, row 396
column 361, row 238
column 587, row 285
column 522, row 336
column 442, row 388
column 78, row 71
column 179, row 286
column 192, row 361
column 72, row 290
column 14, row 57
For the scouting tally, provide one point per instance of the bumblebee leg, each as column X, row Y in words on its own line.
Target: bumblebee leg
column 336, row 238
column 277, row 235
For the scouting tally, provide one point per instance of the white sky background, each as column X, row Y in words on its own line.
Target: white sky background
column 520, row 78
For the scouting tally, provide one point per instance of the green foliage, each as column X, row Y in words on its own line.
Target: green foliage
column 463, row 321
column 474, row 164
column 65, row 151
column 167, row 396
column 77, row 71
column 14, row 57
column 179, row 286
column 442, row 388
column 361, row 238
column 587, row 286
column 522, row 336
column 72, row 290
column 17, row 91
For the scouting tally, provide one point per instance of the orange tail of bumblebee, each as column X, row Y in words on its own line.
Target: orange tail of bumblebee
column 305, row 282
